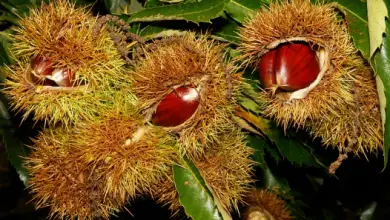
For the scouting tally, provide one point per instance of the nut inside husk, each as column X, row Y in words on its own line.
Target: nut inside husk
column 188, row 61
column 329, row 108
column 75, row 77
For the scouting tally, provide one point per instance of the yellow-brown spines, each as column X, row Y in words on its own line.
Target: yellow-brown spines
column 329, row 110
column 225, row 167
column 69, row 188
column 67, row 36
column 55, row 29
column 264, row 203
column 299, row 19
column 355, row 125
column 195, row 61
column 128, row 155
column 315, row 24
column 95, row 168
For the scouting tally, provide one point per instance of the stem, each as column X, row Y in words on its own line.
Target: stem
column 336, row 164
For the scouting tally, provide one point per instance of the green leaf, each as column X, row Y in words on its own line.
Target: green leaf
column 157, row 3
column 4, row 54
column 322, row 160
column 249, row 104
column 375, row 210
column 194, row 195
column 221, row 29
column 290, row 148
column 369, row 211
column 154, row 31
column 135, row 6
column 195, row 12
column 120, row 7
column 226, row 30
column 272, row 182
column 273, row 152
column 356, row 16
column 153, row 3
column 5, row 119
column 24, row 2
column 7, row 17
column 172, row 1
column 239, row 10
column 377, row 13
column 15, row 149
column 19, row 7
column 247, row 98
column 258, row 144
column 12, row 10
column 381, row 65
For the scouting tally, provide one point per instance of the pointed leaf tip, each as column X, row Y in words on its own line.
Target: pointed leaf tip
column 377, row 13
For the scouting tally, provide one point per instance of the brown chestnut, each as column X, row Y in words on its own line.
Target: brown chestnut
column 289, row 67
column 177, row 107
column 45, row 74
column 42, row 66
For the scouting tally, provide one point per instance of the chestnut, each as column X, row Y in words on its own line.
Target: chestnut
column 42, row 66
column 289, row 67
column 177, row 107
column 45, row 74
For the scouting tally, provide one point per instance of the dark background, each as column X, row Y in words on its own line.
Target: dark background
column 359, row 191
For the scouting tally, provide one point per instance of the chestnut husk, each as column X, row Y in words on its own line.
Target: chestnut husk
column 329, row 107
column 196, row 62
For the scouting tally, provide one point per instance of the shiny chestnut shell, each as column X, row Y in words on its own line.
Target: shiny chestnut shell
column 290, row 67
column 177, row 107
column 45, row 74
column 42, row 66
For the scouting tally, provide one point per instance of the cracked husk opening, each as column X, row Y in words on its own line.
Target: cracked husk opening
column 343, row 107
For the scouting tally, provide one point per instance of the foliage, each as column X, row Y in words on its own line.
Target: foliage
column 379, row 57
column 194, row 194
column 288, row 160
